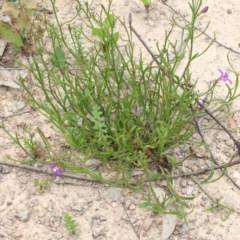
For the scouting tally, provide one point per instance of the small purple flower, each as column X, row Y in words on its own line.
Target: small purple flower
column 224, row 76
column 204, row 10
column 55, row 170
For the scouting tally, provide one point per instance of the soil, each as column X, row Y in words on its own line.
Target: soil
column 101, row 211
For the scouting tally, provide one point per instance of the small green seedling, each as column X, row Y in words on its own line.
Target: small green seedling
column 70, row 224
column 41, row 185
column 22, row 30
column 146, row 4
column 104, row 32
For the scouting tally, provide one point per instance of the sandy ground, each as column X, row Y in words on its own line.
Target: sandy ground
column 103, row 212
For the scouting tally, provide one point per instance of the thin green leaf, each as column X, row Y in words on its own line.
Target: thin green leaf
column 8, row 34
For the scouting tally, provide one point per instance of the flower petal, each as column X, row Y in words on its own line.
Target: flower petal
column 204, row 10
column 55, row 170
column 220, row 71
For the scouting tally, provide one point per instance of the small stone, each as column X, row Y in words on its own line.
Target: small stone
column 190, row 182
column 183, row 183
column 229, row 143
column 190, row 190
column 42, row 212
column 160, row 193
column 11, row 214
column 19, row 105
column 147, row 223
column 151, row 23
column 114, row 204
column 132, row 206
column 195, row 168
column 201, row 154
column 185, row 228
column 203, row 203
column 115, row 194
column 23, row 179
column 97, row 228
column 45, row 205
column 78, row 208
column 135, row 8
column 229, row 11
column 128, row 203
column 93, row 163
column 23, row 215
column 227, row 153
column 54, row 229
column 102, row 218
column 54, row 221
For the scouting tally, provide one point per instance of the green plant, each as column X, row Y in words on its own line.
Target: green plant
column 112, row 104
column 146, row 4
column 70, row 224
column 24, row 28
column 35, row 149
column 41, row 185
column 108, row 103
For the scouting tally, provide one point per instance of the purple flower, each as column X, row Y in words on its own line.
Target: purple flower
column 204, row 10
column 224, row 76
column 55, row 170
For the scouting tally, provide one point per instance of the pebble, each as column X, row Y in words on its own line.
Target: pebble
column 24, row 179
column 41, row 212
column 54, row 229
column 78, row 208
column 114, row 204
column 127, row 203
column 45, row 205
column 132, row 206
column 54, row 221
column 97, row 230
column 147, row 223
column 184, row 228
column 160, row 193
column 11, row 214
column 92, row 163
column 227, row 153
column 17, row 106
column 102, row 218
column 229, row 11
column 190, row 182
column 135, row 8
column 23, row 215
column 183, row 183
column 190, row 190
column 229, row 143
column 150, row 23
column 114, row 194
column 195, row 168
column 20, row 105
